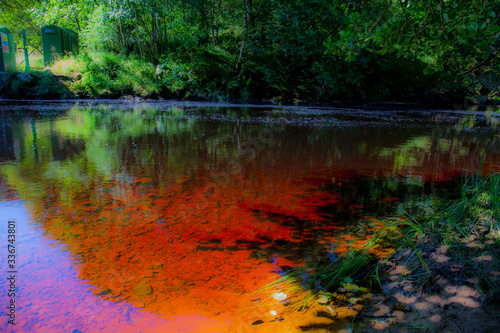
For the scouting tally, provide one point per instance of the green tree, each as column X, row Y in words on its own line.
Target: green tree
column 16, row 15
column 460, row 39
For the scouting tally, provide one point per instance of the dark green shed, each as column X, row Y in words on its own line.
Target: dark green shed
column 58, row 42
column 53, row 44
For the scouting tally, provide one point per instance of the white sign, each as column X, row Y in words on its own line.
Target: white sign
column 5, row 43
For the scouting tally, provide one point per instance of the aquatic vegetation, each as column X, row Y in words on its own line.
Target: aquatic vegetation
column 354, row 260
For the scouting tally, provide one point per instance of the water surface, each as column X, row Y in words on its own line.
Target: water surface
column 167, row 216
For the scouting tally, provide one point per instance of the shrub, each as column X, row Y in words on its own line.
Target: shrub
column 110, row 75
column 36, row 85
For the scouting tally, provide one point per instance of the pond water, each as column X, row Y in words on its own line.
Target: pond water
column 168, row 216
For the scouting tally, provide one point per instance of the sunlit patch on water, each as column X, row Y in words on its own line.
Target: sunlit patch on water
column 170, row 217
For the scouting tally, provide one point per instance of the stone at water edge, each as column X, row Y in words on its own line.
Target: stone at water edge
column 323, row 300
column 105, row 292
column 279, row 296
column 143, row 289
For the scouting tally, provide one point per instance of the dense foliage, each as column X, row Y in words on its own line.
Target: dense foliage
column 402, row 50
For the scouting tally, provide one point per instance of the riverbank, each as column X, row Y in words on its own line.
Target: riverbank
column 111, row 76
column 428, row 289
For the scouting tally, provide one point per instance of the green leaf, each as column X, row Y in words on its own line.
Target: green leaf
column 484, row 46
column 473, row 26
column 351, row 287
column 494, row 29
column 355, row 16
column 354, row 300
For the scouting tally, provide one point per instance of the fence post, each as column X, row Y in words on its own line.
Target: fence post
column 26, row 56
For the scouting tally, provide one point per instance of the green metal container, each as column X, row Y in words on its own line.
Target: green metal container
column 58, row 42
column 53, row 44
column 71, row 41
column 8, row 52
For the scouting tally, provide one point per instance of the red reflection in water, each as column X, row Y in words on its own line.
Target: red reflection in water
column 173, row 252
column 145, row 248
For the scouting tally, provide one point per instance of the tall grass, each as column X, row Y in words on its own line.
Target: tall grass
column 96, row 75
column 478, row 210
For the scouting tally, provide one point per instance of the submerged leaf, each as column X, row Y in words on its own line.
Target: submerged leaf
column 351, row 287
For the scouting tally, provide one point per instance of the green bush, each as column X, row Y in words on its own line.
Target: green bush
column 112, row 76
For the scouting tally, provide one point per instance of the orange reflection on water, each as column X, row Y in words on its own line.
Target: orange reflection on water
column 56, row 300
column 175, row 257
column 187, row 258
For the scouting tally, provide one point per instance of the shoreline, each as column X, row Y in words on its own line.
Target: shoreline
column 375, row 106
column 48, row 86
